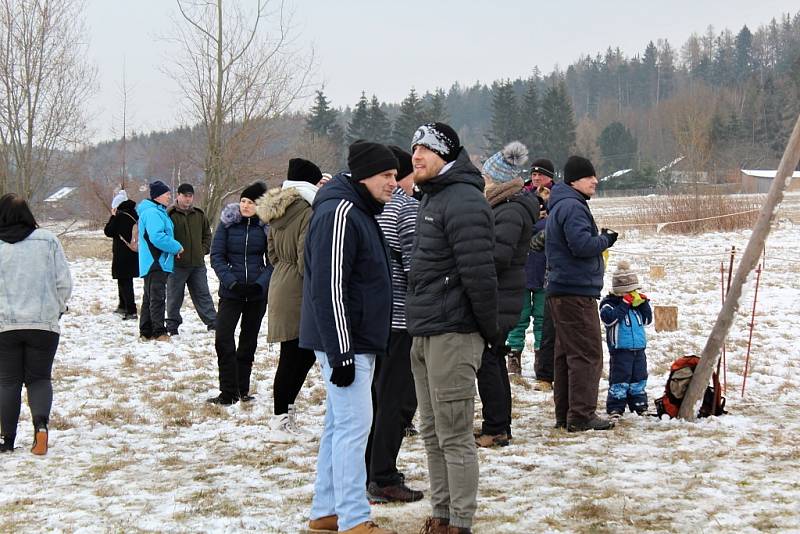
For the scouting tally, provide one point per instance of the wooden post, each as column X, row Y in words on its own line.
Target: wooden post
column 666, row 318
column 708, row 358
column 657, row 272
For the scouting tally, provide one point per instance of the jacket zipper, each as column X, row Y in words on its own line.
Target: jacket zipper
column 444, row 295
column 246, row 239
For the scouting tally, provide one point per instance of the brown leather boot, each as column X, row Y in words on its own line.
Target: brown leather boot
column 435, row 525
column 368, row 527
column 326, row 524
column 514, row 362
column 489, row 440
column 458, row 530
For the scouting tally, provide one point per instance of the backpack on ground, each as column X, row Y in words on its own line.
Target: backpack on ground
column 680, row 375
column 133, row 244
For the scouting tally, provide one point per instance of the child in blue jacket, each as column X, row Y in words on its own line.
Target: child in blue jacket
column 625, row 312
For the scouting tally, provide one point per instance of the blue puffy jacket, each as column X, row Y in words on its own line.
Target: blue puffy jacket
column 573, row 245
column 239, row 253
column 625, row 324
column 347, row 285
column 156, row 238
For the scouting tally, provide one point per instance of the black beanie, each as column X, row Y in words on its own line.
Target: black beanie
column 185, row 189
column 440, row 138
column 404, row 159
column 302, row 170
column 543, row 166
column 366, row 159
column 157, row 188
column 254, row 191
column 577, row 168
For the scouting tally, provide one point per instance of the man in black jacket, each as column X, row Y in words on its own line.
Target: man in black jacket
column 345, row 319
column 451, row 311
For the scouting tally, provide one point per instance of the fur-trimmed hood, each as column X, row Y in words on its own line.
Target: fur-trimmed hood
column 275, row 202
column 231, row 215
column 501, row 191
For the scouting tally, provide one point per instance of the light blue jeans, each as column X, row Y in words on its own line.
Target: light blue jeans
column 341, row 485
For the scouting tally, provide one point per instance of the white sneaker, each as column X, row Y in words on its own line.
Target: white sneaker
column 281, row 431
column 293, row 423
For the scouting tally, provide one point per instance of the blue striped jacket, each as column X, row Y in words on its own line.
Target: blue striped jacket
column 625, row 324
column 347, row 284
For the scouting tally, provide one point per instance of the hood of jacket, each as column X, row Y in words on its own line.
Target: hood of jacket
column 500, row 192
column 562, row 191
column 148, row 205
column 340, row 188
column 461, row 171
column 14, row 233
column 275, row 204
column 128, row 206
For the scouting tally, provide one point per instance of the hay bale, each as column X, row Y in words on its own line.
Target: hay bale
column 657, row 272
column 666, row 318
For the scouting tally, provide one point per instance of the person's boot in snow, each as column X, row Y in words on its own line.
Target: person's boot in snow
column 515, row 362
column 295, row 425
column 542, row 385
column 7, row 443
column 595, row 423
column 222, row 400
column 325, row 525
column 435, row 525
column 393, row 493
column 368, row 527
column 489, row 441
column 281, row 430
column 39, row 436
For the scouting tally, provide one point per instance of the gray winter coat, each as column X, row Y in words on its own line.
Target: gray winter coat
column 35, row 283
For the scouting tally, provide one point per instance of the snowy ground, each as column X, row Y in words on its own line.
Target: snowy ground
column 136, row 449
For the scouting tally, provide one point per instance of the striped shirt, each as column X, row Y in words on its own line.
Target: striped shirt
column 397, row 221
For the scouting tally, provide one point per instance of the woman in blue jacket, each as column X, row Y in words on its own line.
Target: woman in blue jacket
column 238, row 256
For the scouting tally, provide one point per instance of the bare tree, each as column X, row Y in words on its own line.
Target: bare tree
column 45, row 79
column 237, row 71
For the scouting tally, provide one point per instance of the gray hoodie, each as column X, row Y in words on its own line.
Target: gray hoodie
column 35, row 283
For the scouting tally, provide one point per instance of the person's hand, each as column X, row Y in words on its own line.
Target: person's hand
column 628, row 298
column 253, row 290
column 611, row 235
column 113, row 211
column 239, row 289
column 344, row 375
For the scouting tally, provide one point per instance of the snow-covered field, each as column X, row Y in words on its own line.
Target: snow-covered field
column 134, row 447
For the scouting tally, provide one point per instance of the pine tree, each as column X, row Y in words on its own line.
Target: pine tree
column 617, row 146
column 530, row 119
column 743, row 53
column 505, row 117
column 379, row 127
column 359, row 123
column 558, row 124
column 412, row 116
column 322, row 117
column 437, row 111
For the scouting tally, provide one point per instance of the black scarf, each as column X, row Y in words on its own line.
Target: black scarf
column 14, row 233
column 374, row 207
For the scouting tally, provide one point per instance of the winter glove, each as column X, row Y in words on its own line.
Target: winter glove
column 628, row 298
column 638, row 298
column 239, row 289
column 344, row 375
column 253, row 290
column 611, row 235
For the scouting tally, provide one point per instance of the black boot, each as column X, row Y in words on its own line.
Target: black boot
column 595, row 423
column 7, row 443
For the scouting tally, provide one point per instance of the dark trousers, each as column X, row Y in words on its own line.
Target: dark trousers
column 196, row 279
column 154, row 299
column 543, row 357
column 494, row 389
column 578, row 357
column 235, row 364
column 127, row 301
column 26, row 357
column 627, row 381
column 393, row 398
column 293, row 365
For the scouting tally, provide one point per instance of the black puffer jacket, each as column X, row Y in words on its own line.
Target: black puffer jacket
column 452, row 286
column 124, row 261
column 514, row 216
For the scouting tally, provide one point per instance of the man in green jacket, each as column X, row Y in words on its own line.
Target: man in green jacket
column 192, row 230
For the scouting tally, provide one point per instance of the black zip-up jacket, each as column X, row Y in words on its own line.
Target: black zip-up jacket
column 452, row 285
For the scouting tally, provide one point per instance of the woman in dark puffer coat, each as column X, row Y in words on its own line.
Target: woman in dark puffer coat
column 124, row 260
column 238, row 256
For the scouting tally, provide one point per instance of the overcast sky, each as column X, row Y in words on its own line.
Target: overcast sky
column 375, row 46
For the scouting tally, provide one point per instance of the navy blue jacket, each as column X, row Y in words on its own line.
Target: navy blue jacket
column 573, row 245
column 239, row 253
column 624, row 323
column 536, row 263
column 347, row 285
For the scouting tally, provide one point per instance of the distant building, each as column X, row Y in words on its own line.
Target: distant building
column 759, row 181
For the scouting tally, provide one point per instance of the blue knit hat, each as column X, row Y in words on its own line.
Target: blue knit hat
column 506, row 165
column 157, row 188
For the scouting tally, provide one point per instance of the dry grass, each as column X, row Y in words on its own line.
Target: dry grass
column 86, row 247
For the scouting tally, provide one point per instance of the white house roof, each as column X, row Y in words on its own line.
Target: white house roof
column 61, row 193
column 766, row 174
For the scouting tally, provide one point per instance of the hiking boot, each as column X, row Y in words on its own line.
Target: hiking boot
column 212, row 327
column 120, row 310
column 281, row 431
column 395, row 493
column 514, row 362
column 435, row 525
column 39, row 447
column 614, row 415
column 328, row 523
column 595, row 423
column 246, row 397
column 173, row 333
column 130, row 316
column 295, row 426
column 7, row 443
column 490, row 441
column 458, row 530
column 368, row 527
column 222, row 399
column 542, row 385
column 560, row 424
column 410, row 431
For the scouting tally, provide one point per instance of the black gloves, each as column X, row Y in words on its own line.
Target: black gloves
column 253, row 290
column 246, row 290
column 344, row 375
column 611, row 235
